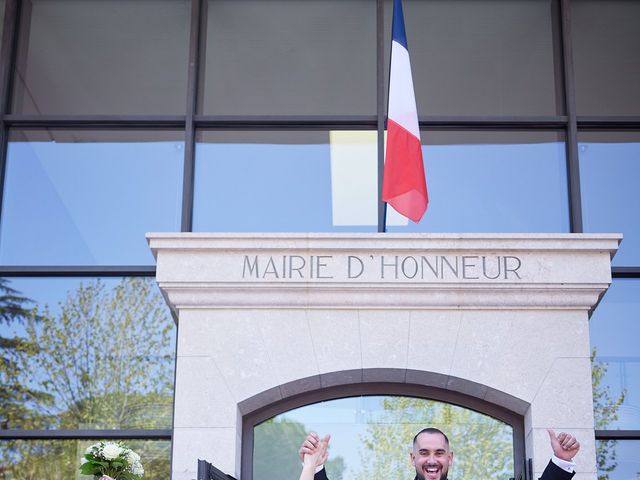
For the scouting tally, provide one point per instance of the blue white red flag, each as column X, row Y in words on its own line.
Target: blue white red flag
column 403, row 186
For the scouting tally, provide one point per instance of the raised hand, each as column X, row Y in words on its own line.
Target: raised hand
column 564, row 445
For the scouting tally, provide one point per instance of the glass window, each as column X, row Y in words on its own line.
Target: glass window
column 609, row 176
column 89, row 196
column 2, row 6
column 60, row 459
column 278, row 57
column 492, row 182
column 371, row 437
column 616, row 367
column 618, row 459
column 286, row 181
column 489, row 57
column 85, row 353
column 102, row 57
column 606, row 41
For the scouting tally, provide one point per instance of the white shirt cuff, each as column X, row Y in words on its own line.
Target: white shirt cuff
column 318, row 468
column 566, row 465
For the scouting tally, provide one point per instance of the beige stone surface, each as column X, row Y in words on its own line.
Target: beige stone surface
column 385, row 338
column 202, row 398
column 336, row 340
column 433, row 336
column 311, row 319
column 216, row 445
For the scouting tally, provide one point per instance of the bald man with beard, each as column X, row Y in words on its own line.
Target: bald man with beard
column 431, row 456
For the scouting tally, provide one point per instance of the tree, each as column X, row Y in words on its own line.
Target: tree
column 605, row 410
column 16, row 396
column 482, row 445
column 105, row 357
column 277, row 441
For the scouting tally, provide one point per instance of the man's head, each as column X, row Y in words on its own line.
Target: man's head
column 431, row 456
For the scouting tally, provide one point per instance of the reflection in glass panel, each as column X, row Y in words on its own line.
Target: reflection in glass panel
column 618, row 459
column 614, row 332
column 371, row 437
column 85, row 353
column 271, row 57
column 2, row 6
column 606, row 41
column 60, row 459
column 89, row 196
column 609, row 175
column 286, row 181
column 499, row 61
column 102, row 56
column 492, row 182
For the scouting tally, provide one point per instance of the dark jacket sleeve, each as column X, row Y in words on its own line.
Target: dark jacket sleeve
column 321, row 475
column 552, row 472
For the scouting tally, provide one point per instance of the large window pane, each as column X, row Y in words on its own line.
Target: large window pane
column 488, row 57
column 85, row 353
column 371, row 437
column 614, row 336
column 609, row 176
column 269, row 57
column 618, row 459
column 60, row 459
column 286, row 181
column 102, row 57
column 88, row 197
column 606, row 42
column 492, row 182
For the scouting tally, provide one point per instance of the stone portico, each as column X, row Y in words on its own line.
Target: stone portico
column 265, row 317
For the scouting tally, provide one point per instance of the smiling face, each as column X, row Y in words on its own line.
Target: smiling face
column 431, row 456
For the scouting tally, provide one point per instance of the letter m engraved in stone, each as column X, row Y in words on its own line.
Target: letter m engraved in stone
column 250, row 267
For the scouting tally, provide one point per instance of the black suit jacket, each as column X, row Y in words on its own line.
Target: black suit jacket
column 552, row 472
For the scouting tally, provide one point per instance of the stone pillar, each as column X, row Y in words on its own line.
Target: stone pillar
column 500, row 317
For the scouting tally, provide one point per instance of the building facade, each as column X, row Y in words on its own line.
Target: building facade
column 120, row 118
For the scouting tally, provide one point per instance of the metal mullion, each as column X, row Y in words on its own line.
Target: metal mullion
column 95, row 121
column 11, row 17
column 380, row 114
column 285, row 121
column 573, row 165
column 155, row 434
column 612, row 122
column 617, row 434
column 494, row 123
column 625, row 272
column 189, row 132
column 77, row 271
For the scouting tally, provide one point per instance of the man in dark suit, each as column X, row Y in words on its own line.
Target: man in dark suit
column 431, row 455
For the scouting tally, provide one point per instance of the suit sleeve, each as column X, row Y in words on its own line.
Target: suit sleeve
column 552, row 472
column 321, row 475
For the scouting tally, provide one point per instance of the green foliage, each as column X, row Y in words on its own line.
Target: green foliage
column 102, row 359
column 15, row 394
column 276, row 444
column 605, row 410
column 482, row 445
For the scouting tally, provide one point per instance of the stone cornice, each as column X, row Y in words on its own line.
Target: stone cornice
column 523, row 271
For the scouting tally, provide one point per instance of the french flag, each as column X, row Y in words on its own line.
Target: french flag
column 403, row 186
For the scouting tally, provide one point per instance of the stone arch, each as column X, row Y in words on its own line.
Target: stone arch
column 382, row 381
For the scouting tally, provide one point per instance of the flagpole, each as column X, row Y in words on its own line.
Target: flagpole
column 384, row 124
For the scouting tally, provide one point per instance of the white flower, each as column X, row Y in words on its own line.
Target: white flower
column 111, row 451
column 90, row 448
column 137, row 469
column 133, row 457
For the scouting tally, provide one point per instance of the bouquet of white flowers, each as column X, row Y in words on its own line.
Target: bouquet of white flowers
column 113, row 460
